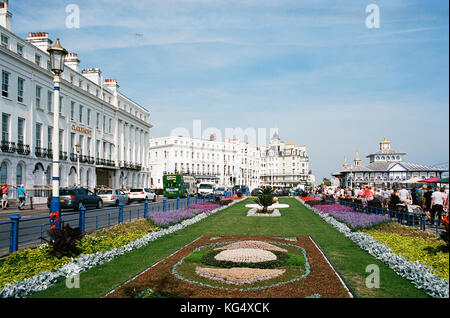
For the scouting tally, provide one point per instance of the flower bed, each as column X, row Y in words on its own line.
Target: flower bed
column 47, row 277
column 423, row 247
column 165, row 219
column 418, row 273
column 307, row 273
column 358, row 221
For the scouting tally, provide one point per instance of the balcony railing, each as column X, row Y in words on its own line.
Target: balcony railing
column 8, row 146
column 40, row 152
column 23, row 149
column 63, row 155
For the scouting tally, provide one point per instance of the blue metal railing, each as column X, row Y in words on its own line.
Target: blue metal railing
column 399, row 217
column 21, row 233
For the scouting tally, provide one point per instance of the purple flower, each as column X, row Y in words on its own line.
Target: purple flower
column 359, row 220
column 168, row 218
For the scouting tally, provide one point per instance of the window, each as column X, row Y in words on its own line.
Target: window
column 38, row 134
column 49, row 100
column 88, row 116
column 104, row 123
column 37, row 59
column 81, row 114
column 49, row 137
column 3, row 173
column 38, row 96
column 5, row 83
column 110, row 125
column 20, row 130
column 72, row 110
column 19, row 174
column 5, row 127
column 20, row 82
column 97, row 122
column 19, row 49
column 5, row 40
column 61, row 104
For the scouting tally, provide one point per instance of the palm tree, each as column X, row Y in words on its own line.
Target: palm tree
column 265, row 198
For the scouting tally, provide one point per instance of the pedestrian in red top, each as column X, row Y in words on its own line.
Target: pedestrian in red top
column 5, row 196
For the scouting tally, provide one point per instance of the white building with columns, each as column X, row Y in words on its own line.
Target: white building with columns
column 111, row 128
column 227, row 163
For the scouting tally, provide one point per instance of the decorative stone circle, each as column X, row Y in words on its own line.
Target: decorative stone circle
column 246, row 255
column 252, row 244
column 238, row 276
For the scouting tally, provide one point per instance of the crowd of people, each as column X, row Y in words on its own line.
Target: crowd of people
column 434, row 202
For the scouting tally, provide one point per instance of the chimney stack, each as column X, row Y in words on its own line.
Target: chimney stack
column 5, row 15
column 73, row 62
column 40, row 40
column 93, row 74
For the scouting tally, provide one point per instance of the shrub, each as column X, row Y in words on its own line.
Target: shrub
column 295, row 260
column 209, row 259
column 64, row 242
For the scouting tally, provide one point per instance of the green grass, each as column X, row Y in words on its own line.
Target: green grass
column 348, row 258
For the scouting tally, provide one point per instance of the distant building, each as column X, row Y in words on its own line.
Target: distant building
column 226, row 163
column 285, row 164
column 386, row 167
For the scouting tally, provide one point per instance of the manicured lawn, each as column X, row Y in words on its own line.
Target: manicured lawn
column 347, row 257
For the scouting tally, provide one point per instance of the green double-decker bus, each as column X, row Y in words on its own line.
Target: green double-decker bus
column 178, row 185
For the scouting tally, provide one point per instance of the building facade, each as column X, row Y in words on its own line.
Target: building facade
column 386, row 167
column 112, row 130
column 226, row 163
column 285, row 164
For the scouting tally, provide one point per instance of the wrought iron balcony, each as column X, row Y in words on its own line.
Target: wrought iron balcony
column 23, row 149
column 73, row 157
column 63, row 155
column 40, row 152
column 8, row 146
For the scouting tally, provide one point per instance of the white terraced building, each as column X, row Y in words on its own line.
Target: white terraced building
column 226, row 163
column 112, row 129
column 285, row 165
column 386, row 167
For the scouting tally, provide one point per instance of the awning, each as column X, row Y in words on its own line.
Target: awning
column 429, row 180
column 444, row 180
column 412, row 180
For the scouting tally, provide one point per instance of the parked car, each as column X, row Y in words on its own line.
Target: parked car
column 113, row 196
column 220, row 191
column 75, row 198
column 141, row 194
column 205, row 188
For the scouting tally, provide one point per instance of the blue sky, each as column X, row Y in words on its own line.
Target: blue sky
column 310, row 68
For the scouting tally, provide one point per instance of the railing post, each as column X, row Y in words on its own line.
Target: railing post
column 196, row 199
column 178, row 203
column 437, row 226
column 120, row 212
column 145, row 208
column 424, row 226
column 164, row 204
column 188, row 200
column 14, row 234
column 82, row 218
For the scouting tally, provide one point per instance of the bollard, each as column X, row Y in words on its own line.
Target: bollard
column 196, row 199
column 145, row 208
column 178, row 203
column 82, row 218
column 188, row 200
column 14, row 233
column 164, row 204
column 437, row 226
column 120, row 213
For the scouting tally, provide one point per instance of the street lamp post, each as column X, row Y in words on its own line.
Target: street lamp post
column 57, row 56
column 78, row 150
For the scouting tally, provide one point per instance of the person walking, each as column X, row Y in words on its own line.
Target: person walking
column 437, row 204
column 5, row 192
column 426, row 204
column 404, row 194
column 21, row 194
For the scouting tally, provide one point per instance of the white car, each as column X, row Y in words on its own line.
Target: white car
column 141, row 194
column 205, row 188
column 113, row 196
